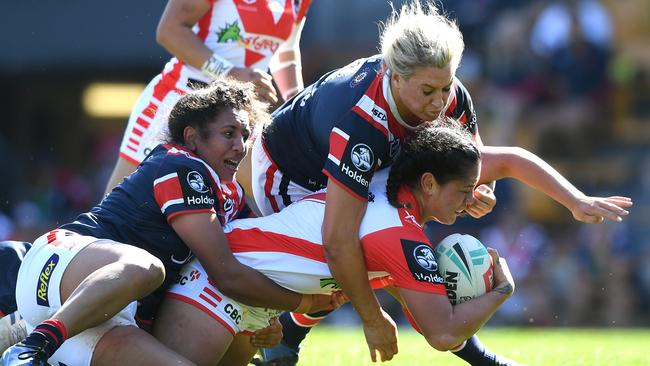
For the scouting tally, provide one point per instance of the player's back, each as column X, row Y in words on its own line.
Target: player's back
column 288, row 247
column 298, row 137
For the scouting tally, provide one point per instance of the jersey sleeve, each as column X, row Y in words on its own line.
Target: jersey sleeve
column 356, row 150
column 182, row 186
column 462, row 108
column 407, row 256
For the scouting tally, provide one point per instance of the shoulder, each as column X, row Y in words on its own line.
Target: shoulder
column 461, row 106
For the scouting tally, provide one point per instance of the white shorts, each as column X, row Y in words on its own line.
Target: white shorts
column 195, row 288
column 272, row 190
column 38, row 296
column 147, row 125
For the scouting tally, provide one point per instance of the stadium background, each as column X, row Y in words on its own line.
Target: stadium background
column 580, row 99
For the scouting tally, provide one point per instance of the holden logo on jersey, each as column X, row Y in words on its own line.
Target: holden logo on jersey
column 421, row 262
column 354, row 175
column 424, row 256
column 362, row 157
column 195, row 180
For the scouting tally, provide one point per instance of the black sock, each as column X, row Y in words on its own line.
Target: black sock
column 49, row 335
column 476, row 354
column 294, row 334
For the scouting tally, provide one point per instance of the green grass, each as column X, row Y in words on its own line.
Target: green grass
column 330, row 346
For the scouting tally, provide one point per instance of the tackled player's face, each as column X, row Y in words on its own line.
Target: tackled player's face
column 424, row 96
column 450, row 200
column 224, row 145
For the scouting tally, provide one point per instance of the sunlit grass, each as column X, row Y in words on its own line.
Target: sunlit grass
column 533, row 346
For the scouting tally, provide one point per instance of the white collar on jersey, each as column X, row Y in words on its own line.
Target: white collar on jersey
column 388, row 94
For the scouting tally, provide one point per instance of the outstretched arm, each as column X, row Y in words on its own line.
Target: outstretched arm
column 518, row 163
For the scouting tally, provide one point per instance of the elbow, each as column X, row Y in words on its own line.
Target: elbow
column 333, row 247
column 443, row 342
column 163, row 35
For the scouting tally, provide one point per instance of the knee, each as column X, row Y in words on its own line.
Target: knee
column 145, row 274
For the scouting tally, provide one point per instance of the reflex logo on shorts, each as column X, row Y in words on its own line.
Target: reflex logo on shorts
column 44, row 280
column 421, row 261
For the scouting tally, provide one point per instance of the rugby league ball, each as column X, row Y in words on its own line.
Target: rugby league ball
column 466, row 266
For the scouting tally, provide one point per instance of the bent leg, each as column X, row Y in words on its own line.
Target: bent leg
column 129, row 345
column 240, row 351
column 102, row 279
column 191, row 332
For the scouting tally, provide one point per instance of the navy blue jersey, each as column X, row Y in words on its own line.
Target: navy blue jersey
column 342, row 128
column 11, row 256
column 171, row 181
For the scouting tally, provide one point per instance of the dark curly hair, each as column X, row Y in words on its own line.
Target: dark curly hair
column 443, row 149
column 201, row 107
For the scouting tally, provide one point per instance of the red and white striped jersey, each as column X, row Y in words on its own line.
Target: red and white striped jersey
column 287, row 246
column 245, row 32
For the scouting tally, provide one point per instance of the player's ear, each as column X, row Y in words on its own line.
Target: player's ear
column 190, row 135
column 428, row 184
column 395, row 80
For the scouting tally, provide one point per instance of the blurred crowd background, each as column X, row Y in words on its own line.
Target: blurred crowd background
column 568, row 80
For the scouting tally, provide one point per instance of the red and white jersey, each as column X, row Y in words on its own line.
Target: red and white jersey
column 287, row 246
column 245, row 32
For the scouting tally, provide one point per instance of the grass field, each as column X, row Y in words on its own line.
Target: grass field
column 329, row 346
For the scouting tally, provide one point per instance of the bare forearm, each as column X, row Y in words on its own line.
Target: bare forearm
column 343, row 216
column 185, row 45
column 175, row 31
column 502, row 162
column 348, row 268
column 288, row 74
column 252, row 288
column 467, row 318
column 447, row 325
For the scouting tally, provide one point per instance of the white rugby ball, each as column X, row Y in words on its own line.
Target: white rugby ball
column 466, row 266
